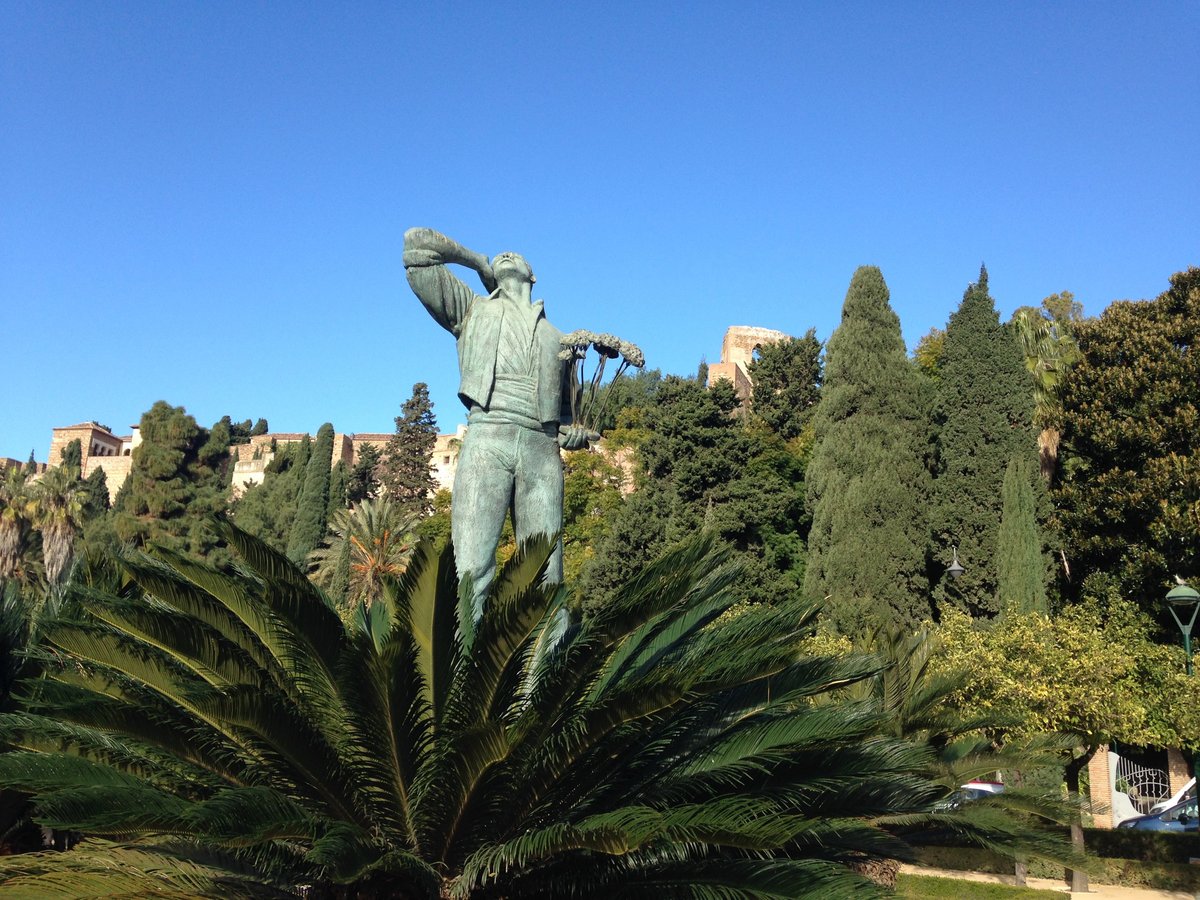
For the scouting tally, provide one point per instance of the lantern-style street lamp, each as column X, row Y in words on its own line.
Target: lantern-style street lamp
column 955, row 568
column 1184, row 602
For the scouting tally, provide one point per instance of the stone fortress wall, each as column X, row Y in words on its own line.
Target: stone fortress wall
column 101, row 449
column 114, row 453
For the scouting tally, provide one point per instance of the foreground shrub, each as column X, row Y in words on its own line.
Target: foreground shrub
column 224, row 734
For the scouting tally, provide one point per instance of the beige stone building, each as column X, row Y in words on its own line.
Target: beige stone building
column 737, row 351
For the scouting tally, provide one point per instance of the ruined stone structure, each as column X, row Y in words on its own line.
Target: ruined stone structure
column 737, row 351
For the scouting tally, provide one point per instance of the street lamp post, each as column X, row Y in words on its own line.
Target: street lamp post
column 1184, row 603
column 1184, row 600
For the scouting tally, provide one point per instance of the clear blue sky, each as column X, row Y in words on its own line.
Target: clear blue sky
column 204, row 202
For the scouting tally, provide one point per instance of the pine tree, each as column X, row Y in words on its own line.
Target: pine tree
column 95, row 494
column 868, row 481
column 984, row 414
column 1020, row 564
column 260, row 427
column 407, row 472
column 313, row 503
column 31, row 464
column 176, row 481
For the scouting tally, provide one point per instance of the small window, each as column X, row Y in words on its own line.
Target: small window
column 445, row 460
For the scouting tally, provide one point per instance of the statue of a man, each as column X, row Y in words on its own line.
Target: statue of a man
column 517, row 392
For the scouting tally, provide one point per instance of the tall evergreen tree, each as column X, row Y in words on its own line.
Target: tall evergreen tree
column 72, row 455
column 407, row 472
column 868, row 481
column 787, row 384
column 1020, row 563
column 364, row 481
column 339, row 482
column 984, row 414
column 260, row 427
column 268, row 510
column 312, row 507
column 175, row 482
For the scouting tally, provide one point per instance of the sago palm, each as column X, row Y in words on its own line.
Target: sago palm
column 226, row 735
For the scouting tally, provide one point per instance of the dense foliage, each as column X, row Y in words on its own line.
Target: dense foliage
column 1128, row 503
column 868, row 482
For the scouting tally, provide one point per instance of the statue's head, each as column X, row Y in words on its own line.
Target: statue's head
column 512, row 265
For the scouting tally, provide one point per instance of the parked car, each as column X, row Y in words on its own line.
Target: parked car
column 1180, row 817
column 1188, row 790
column 972, row 790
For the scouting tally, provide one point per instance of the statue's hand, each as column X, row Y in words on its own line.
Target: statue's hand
column 575, row 437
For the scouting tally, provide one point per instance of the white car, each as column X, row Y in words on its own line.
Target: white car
column 1188, row 790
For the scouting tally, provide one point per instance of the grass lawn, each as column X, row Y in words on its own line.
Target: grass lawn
column 927, row 887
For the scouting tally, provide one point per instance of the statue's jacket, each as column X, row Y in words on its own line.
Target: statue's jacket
column 475, row 322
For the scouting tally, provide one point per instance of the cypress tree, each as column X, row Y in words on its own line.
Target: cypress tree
column 1020, row 566
column 313, row 503
column 339, row 482
column 407, row 472
column 984, row 413
column 269, row 509
column 364, row 477
column 72, row 455
column 868, row 481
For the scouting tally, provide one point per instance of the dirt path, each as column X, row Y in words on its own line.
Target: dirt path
column 1097, row 892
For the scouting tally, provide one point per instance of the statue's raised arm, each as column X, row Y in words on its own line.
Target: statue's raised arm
column 426, row 254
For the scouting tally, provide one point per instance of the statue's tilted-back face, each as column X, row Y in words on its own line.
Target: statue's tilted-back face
column 509, row 264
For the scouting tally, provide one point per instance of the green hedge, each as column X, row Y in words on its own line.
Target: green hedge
column 1145, row 846
column 1168, row 876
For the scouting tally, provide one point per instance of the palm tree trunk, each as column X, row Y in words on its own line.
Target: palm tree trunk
column 1048, row 439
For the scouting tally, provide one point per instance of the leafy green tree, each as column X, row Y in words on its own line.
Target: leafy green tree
column 1021, row 564
column 260, row 428
column 234, row 738
column 364, row 481
column 177, row 479
column 591, row 499
column 312, row 505
column 787, row 383
column 868, row 481
column 626, row 392
column 406, row 471
column 927, row 356
column 268, row 510
column 984, row 416
column 1090, row 674
column 1129, row 491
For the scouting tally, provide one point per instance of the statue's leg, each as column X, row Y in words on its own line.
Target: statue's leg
column 538, row 494
column 483, row 489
